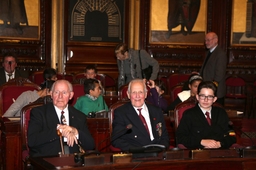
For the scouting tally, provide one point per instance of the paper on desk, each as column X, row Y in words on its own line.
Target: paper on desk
column 14, row 118
column 238, row 112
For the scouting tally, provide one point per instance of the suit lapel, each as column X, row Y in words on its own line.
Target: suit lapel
column 71, row 115
column 52, row 116
column 133, row 117
column 201, row 116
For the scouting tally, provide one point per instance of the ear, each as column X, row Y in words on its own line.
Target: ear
column 197, row 97
column 215, row 98
column 71, row 95
column 128, row 94
column 146, row 94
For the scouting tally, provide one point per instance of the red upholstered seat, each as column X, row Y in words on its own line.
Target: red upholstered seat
column 78, row 91
column 10, row 91
column 176, row 79
column 25, row 117
column 37, row 77
column 111, row 118
column 175, row 91
column 236, row 93
column 122, row 92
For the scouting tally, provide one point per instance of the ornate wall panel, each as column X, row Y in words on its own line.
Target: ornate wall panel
column 32, row 52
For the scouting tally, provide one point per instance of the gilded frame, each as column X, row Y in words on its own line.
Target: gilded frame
column 243, row 31
column 158, row 25
column 24, row 25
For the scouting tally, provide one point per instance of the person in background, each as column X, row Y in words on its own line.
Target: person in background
column 155, row 96
column 214, row 65
column 49, row 74
column 46, row 120
column 147, row 120
column 193, row 81
column 129, row 67
column 205, row 125
column 9, row 70
column 27, row 97
column 90, row 71
column 92, row 101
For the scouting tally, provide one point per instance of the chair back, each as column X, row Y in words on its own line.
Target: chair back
column 122, row 92
column 25, row 117
column 78, row 90
column 110, row 82
column 175, row 91
column 235, row 87
column 176, row 79
column 38, row 77
column 180, row 109
column 11, row 90
column 111, row 118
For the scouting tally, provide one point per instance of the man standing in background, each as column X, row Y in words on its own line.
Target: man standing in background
column 214, row 65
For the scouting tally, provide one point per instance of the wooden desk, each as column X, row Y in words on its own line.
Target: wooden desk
column 99, row 128
column 11, row 140
column 10, row 144
column 67, row 162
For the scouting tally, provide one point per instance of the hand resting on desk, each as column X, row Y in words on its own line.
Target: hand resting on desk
column 210, row 143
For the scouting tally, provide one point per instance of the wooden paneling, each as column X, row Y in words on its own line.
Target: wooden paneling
column 33, row 55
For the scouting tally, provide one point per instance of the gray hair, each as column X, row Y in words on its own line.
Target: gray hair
column 137, row 81
column 65, row 82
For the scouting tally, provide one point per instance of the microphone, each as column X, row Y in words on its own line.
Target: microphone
column 114, row 136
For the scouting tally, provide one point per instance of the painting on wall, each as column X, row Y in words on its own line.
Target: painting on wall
column 19, row 19
column 178, row 21
column 96, row 21
column 243, row 22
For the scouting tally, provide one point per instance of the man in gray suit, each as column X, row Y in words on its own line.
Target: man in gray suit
column 214, row 65
column 131, row 62
column 9, row 70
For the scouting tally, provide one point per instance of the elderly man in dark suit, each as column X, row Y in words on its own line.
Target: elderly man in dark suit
column 45, row 120
column 9, row 69
column 148, row 125
column 214, row 66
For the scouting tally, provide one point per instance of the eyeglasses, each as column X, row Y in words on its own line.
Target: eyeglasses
column 203, row 97
column 208, row 40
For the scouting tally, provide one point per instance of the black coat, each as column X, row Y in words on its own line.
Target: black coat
column 137, row 136
column 194, row 127
column 42, row 135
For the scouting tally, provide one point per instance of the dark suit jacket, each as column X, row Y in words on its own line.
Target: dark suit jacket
column 18, row 73
column 215, row 70
column 137, row 136
column 42, row 135
column 194, row 127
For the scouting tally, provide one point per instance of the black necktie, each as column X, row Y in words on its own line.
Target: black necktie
column 62, row 118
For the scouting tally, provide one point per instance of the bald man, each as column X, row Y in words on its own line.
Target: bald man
column 214, row 65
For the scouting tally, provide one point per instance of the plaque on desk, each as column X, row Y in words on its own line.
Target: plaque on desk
column 199, row 154
column 122, row 158
column 174, row 153
column 248, row 152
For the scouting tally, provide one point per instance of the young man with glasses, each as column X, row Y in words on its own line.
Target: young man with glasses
column 205, row 125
